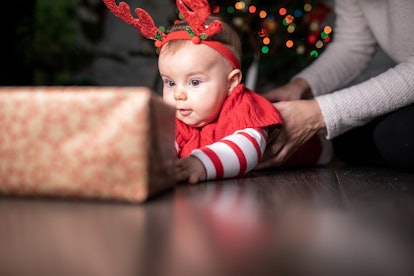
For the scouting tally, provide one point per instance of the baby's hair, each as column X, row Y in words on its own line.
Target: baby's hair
column 228, row 36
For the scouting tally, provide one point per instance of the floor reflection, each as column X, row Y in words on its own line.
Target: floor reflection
column 258, row 225
column 224, row 229
column 220, row 229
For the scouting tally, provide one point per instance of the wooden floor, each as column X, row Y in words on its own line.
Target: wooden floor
column 318, row 221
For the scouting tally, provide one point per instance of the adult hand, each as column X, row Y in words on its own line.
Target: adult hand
column 295, row 90
column 189, row 169
column 302, row 119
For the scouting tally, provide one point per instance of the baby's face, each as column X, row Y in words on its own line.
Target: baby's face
column 195, row 81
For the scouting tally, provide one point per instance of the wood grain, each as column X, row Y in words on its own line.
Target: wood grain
column 315, row 221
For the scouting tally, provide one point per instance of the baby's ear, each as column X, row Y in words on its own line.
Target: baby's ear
column 234, row 79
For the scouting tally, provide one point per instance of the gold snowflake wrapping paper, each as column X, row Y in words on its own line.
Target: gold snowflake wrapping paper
column 113, row 143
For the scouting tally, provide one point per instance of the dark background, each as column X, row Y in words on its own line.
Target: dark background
column 69, row 42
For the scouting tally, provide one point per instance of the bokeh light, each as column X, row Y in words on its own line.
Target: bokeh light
column 240, row 5
column 262, row 14
column 297, row 13
column 314, row 54
column 265, row 49
column 312, row 39
column 289, row 19
column 314, row 26
column 291, row 28
column 300, row 50
column 307, row 7
column 327, row 29
column 319, row 44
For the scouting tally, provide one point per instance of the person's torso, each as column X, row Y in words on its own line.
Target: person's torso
column 392, row 24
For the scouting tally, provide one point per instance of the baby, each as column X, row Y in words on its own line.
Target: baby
column 221, row 126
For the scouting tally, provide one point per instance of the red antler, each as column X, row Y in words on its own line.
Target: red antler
column 196, row 13
column 144, row 23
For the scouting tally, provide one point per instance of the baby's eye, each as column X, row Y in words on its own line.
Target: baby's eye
column 195, row 82
column 169, row 83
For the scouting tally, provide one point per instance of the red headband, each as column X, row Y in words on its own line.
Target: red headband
column 216, row 45
column 195, row 13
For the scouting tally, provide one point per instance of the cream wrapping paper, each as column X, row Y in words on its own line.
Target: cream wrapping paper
column 108, row 143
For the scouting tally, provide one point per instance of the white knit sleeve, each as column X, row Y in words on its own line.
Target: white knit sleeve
column 357, row 105
column 346, row 56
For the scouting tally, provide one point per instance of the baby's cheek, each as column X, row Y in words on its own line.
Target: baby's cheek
column 168, row 100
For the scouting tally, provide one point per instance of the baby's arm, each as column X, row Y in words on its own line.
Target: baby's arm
column 232, row 156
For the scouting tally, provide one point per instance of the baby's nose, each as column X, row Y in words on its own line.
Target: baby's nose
column 180, row 94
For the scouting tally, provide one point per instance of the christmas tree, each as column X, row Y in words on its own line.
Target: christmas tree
column 279, row 38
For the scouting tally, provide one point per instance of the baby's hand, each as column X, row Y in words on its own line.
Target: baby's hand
column 190, row 169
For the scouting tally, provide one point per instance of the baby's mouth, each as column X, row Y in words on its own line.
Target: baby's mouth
column 184, row 112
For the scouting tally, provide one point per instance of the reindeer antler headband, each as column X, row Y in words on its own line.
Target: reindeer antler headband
column 195, row 12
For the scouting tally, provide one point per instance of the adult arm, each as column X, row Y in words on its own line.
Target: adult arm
column 357, row 105
column 344, row 109
column 343, row 60
column 353, row 46
column 338, row 112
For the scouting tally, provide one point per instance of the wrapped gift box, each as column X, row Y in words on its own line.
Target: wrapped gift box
column 108, row 143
